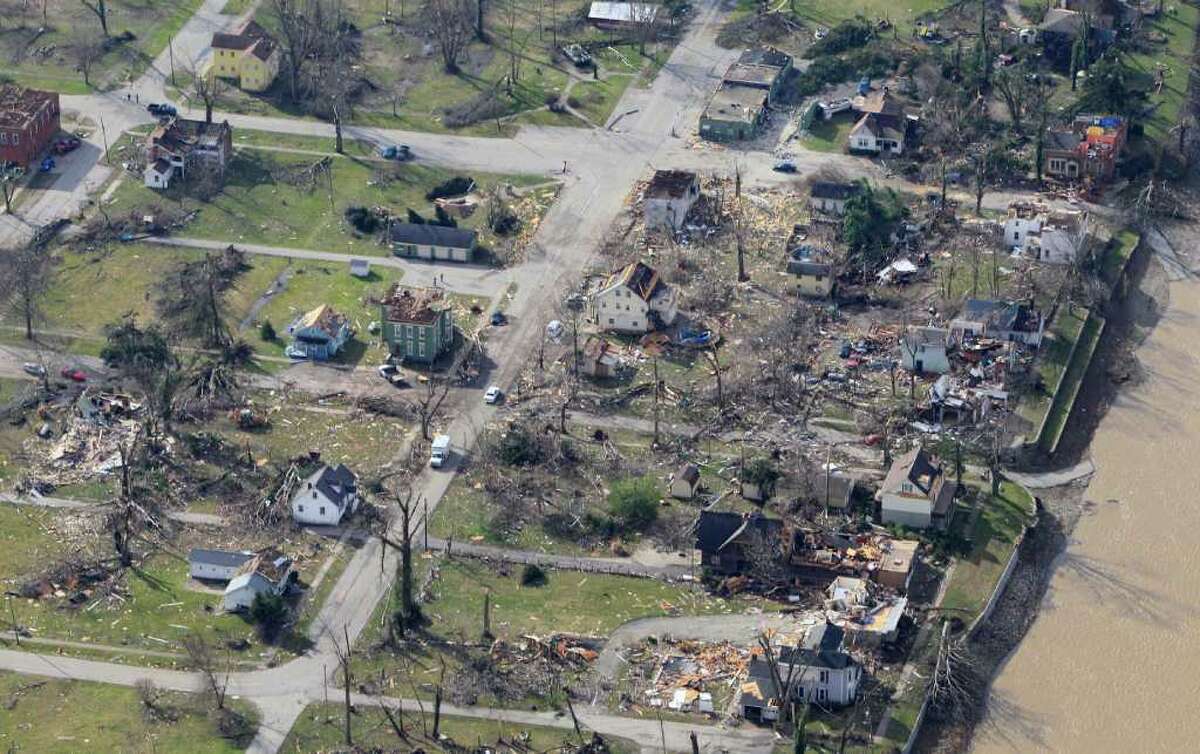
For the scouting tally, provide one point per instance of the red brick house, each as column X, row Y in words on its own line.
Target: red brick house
column 28, row 123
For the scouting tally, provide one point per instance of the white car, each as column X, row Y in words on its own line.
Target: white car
column 37, row 370
column 492, row 395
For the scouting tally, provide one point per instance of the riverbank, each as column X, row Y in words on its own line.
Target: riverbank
column 1130, row 320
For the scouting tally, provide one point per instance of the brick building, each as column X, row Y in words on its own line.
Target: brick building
column 29, row 121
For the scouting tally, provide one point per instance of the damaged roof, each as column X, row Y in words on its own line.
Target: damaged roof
column 19, row 105
column 1003, row 316
column 334, row 482
column 424, row 234
column 834, row 190
column 716, row 529
column 323, row 318
column 181, row 135
column 674, row 184
column 768, row 56
column 638, row 277
column 421, row 306
column 921, row 471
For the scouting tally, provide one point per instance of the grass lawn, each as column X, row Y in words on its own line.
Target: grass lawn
column 1117, row 255
column 829, row 135
column 596, row 99
column 259, row 205
column 10, row 388
column 996, row 530
column 28, row 537
column 1178, row 23
column 44, row 60
column 1068, row 387
column 828, row 13
column 236, row 7
column 592, row 604
column 1052, row 361
column 49, row 716
column 320, row 728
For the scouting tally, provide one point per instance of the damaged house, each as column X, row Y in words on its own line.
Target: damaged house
column 669, row 198
column 326, row 497
column 181, row 147
column 831, row 197
column 1050, row 236
column 417, row 323
column 1014, row 322
column 821, row 672
column 267, row 573
column 727, row 541
column 916, row 492
column 634, row 299
column 882, row 127
column 319, row 334
column 925, row 350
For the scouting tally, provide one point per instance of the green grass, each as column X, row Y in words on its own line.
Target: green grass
column 236, row 7
column 258, row 205
column 56, row 716
column 996, row 530
column 829, row 135
column 1068, row 387
column 28, row 538
column 10, row 388
column 828, row 13
column 153, row 23
column 592, row 604
column 1179, row 26
column 320, row 728
column 1117, row 255
column 596, row 99
column 1062, row 333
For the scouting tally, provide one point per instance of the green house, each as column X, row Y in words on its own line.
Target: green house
column 417, row 323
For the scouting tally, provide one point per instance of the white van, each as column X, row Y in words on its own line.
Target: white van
column 440, row 451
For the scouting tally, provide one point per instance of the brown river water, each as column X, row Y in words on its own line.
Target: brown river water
column 1112, row 662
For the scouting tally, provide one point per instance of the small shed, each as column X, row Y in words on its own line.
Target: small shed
column 686, row 482
column 360, row 268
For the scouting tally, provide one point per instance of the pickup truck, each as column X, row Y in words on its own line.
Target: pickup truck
column 393, row 375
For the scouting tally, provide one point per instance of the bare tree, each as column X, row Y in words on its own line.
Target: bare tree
column 9, row 175
column 407, row 505
column 101, row 10
column 783, row 674
column 715, row 363
column 299, row 23
column 450, row 23
column 645, row 22
column 512, row 13
column 24, row 278
column 436, row 390
column 206, row 87
column 203, row 658
column 85, row 48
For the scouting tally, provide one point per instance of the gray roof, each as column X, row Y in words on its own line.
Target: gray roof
column 334, row 482
column 432, row 235
column 765, row 56
column 219, row 558
column 1062, row 139
column 832, row 190
column 717, row 528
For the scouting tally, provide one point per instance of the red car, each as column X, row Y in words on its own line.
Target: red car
column 69, row 144
column 78, row 375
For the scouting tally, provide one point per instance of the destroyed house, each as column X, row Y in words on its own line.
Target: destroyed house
column 1002, row 320
column 267, row 573
column 596, row 358
column 831, row 197
column 669, row 197
column 29, row 121
column 763, row 68
column 831, row 490
column 727, row 540
column 916, row 492
column 822, row 672
column 634, row 299
column 733, row 113
column 417, row 323
column 319, row 334
column 326, row 497
column 432, row 242
column 181, row 146
column 686, row 482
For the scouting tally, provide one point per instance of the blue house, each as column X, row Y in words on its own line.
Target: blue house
column 318, row 335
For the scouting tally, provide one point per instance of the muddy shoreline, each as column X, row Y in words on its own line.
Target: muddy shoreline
column 1130, row 320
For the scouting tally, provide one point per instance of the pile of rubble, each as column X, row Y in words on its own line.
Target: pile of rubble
column 684, row 674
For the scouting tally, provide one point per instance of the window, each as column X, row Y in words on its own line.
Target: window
column 610, row 321
column 300, row 507
column 820, row 695
column 3, row 138
column 824, row 676
column 322, row 510
column 16, row 139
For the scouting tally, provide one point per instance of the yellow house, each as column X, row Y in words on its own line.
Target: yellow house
column 247, row 54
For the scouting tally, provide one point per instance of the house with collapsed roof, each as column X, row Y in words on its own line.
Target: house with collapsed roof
column 1044, row 234
column 247, row 55
column 319, row 334
column 686, row 482
column 180, row 147
column 916, row 492
column 925, row 350
column 882, row 126
column 669, row 197
column 634, row 299
column 326, row 497
column 417, row 323
column 1088, row 148
column 820, row 669
column 29, row 121
column 1012, row 321
column 813, row 268
column 728, row 541
column 266, row 574
column 869, row 619
column 738, row 108
column 598, row 358
column 764, row 68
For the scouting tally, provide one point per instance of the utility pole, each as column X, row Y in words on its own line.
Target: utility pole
column 346, row 682
column 104, row 135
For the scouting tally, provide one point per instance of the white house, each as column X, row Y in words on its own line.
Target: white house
column 1054, row 237
column 925, row 350
column 831, row 197
column 634, row 299
column 916, row 492
column 267, row 573
column 1002, row 320
column 216, row 565
column 821, row 672
column 686, row 482
column 326, row 497
column 882, row 127
column 158, row 174
column 669, row 197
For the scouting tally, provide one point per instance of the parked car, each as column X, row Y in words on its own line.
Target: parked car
column 48, row 164
column 785, row 166
column 498, row 319
column 391, row 373
column 37, row 370
column 76, row 375
column 396, row 152
column 69, row 144
column 162, row 109
column 493, row 395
